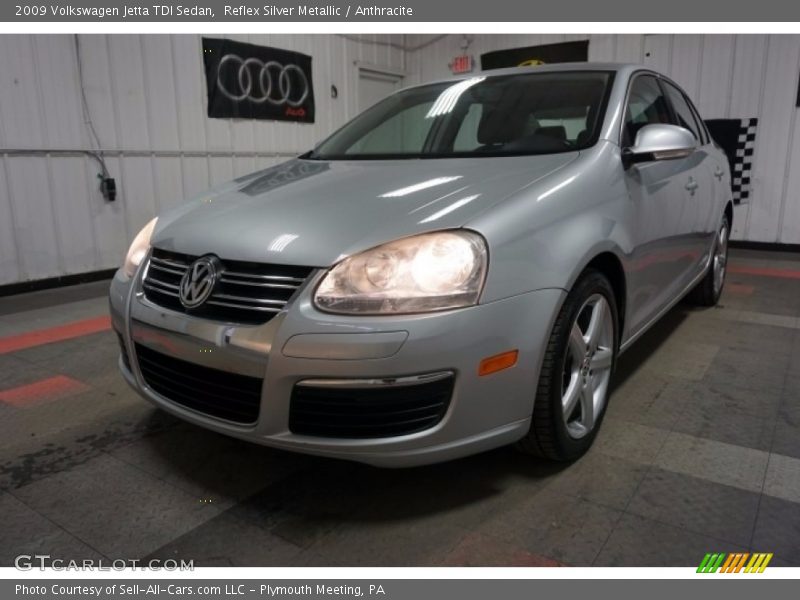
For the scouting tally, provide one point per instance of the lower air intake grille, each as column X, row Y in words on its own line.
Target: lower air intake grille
column 216, row 393
column 377, row 411
column 123, row 350
column 246, row 292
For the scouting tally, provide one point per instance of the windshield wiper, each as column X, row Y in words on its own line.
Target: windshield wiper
column 310, row 155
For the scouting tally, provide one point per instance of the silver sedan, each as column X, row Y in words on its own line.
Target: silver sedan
column 456, row 269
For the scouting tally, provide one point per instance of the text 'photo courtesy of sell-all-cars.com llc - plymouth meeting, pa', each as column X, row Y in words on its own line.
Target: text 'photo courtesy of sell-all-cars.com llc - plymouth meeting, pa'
column 454, row 270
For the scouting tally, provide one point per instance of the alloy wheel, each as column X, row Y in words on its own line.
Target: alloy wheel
column 587, row 366
column 720, row 259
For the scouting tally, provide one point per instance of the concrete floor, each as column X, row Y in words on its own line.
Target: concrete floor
column 700, row 451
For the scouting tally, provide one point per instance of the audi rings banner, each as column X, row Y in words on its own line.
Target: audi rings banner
column 246, row 81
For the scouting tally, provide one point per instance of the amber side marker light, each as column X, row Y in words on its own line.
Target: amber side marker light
column 498, row 362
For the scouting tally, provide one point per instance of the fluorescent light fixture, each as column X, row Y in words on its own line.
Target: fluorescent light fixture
column 448, row 98
column 422, row 185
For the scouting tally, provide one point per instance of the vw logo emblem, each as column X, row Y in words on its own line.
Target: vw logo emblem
column 198, row 282
column 261, row 82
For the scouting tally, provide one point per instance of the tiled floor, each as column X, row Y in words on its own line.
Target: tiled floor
column 700, row 451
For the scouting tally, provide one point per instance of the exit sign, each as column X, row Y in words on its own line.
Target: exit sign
column 461, row 64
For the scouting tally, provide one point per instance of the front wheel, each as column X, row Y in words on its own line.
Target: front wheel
column 709, row 290
column 572, row 393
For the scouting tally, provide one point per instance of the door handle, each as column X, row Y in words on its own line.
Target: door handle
column 719, row 173
column 692, row 185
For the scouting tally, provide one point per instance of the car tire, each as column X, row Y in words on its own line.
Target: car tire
column 709, row 290
column 558, row 432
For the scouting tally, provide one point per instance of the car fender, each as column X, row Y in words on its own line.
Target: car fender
column 546, row 236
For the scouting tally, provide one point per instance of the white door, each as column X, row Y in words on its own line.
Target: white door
column 374, row 86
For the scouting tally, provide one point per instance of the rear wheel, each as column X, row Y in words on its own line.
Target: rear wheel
column 573, row 385
column 709, row 290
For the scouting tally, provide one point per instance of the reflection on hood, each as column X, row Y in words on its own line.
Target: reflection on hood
column 280, row 175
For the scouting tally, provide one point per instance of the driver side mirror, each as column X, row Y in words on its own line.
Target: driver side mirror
column 659, row 142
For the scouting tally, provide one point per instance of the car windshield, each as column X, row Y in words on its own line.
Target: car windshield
column 536, row 113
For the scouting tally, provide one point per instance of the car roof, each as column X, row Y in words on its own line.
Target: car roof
column 623, row 69
column 569, row 66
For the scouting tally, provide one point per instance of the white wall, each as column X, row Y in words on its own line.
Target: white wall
column 728, row 76
column 147, row 98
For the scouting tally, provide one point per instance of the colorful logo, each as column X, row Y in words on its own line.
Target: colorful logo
column 734, row 562
column 531, row 62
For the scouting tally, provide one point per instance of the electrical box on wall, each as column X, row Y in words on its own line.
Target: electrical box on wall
column 108, row 187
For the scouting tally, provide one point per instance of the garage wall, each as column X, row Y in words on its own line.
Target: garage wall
column 728, row 76
column 147, row 99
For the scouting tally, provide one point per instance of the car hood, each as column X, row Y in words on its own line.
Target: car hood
column 313, row 213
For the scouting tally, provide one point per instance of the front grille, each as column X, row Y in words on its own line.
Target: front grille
column 246, row 292
column 368, row 412
column 216, row 393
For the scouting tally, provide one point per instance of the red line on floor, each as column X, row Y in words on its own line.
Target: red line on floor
column 740, row 289
column 764, row 272
column 479, row 550
column 45, row 390
column 54, row 334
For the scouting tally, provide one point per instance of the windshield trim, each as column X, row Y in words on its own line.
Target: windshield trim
column 417, row 156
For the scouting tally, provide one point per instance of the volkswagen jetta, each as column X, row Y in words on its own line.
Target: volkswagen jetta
column 455, row 269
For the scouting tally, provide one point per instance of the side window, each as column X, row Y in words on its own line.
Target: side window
column 646, row 106
column 683, row 114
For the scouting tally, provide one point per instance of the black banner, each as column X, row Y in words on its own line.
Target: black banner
column 246, row 81
column 536, row 55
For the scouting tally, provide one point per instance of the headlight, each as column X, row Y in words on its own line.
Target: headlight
column 428, row 272
column 139, row 248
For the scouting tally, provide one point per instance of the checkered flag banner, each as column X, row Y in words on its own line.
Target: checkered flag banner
column 737, row 137
column 743, row 161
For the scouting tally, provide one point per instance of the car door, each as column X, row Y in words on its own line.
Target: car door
column 713, row 204
column 697, row 224
column 658, row 268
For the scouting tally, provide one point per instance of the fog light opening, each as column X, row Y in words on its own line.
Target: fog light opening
column 498, row 362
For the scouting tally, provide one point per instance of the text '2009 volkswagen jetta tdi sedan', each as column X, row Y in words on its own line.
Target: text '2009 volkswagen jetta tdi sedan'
column 455, row 269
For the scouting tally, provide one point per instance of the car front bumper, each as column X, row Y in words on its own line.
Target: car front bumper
column 301, row 344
